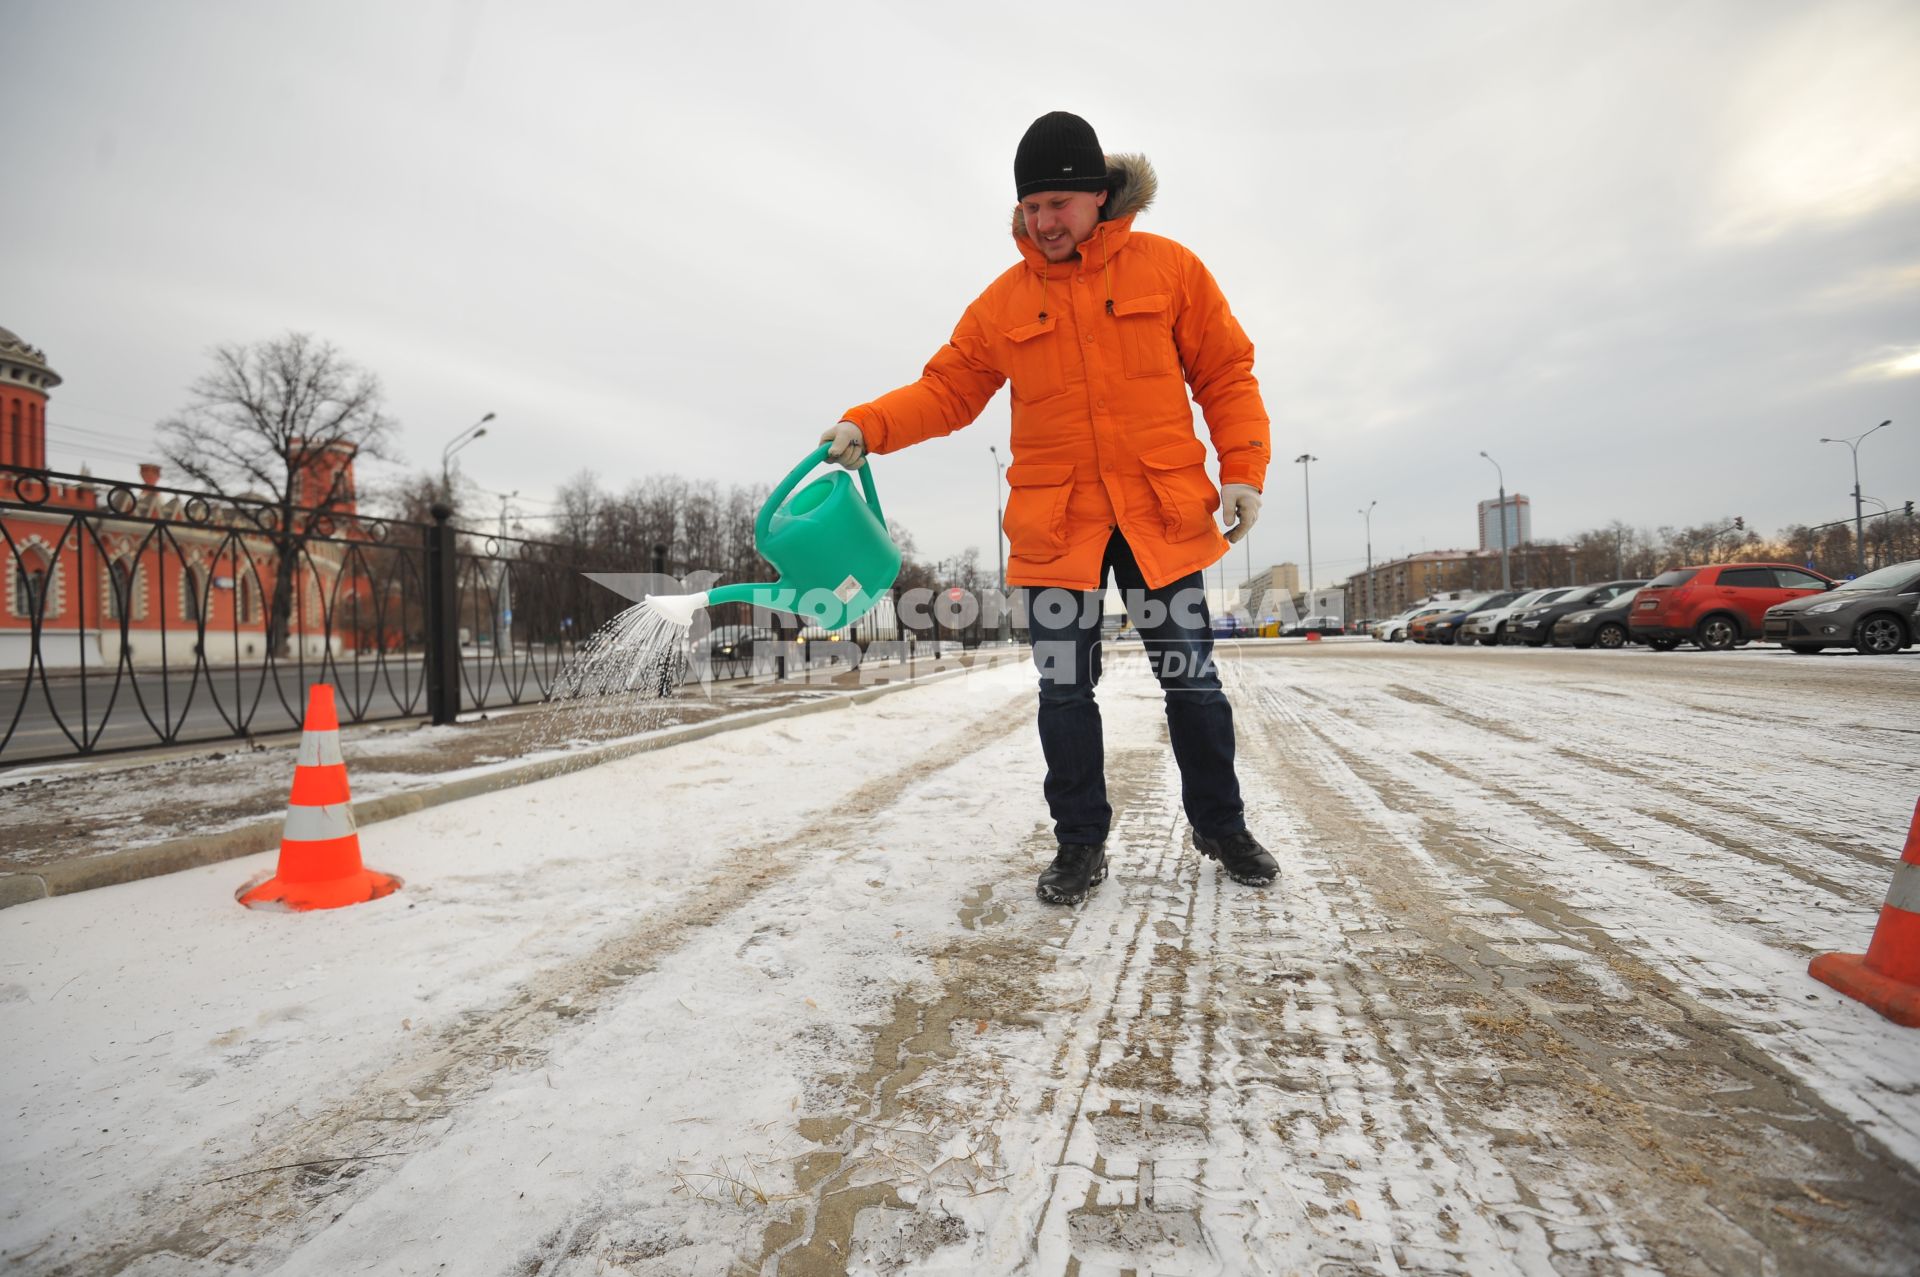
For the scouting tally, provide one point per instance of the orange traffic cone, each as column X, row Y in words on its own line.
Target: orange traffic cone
column 320, row 846
column 1887, row 976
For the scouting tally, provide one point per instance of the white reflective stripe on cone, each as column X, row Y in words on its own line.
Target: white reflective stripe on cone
column 1905, row 891
column 320, row 749
column 317, row 824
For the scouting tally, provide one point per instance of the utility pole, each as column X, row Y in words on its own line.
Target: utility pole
column 1247, row 541
column 1000, row 531
column 1506, row 573
column 1305, row 462
column 1859, row 523
column 1367, row 514
column 503, row 641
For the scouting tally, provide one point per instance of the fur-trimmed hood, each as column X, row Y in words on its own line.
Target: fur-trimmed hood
column 1131, row 186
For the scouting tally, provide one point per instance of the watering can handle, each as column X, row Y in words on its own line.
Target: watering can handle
column 786, row 486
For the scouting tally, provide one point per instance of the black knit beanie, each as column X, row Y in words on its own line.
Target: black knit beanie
column 1059, row 153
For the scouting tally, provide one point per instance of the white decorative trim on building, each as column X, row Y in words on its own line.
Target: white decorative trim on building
column 55, row 581
column 194, row 569
column 136, row 589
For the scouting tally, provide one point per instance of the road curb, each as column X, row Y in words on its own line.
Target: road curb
column 193, row 851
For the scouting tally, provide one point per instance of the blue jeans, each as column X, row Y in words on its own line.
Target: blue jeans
column 1176, row 629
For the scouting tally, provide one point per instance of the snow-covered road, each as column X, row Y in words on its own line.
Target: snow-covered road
column 1530, row 997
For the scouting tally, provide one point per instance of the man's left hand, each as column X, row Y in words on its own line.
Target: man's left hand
column 1241, row 503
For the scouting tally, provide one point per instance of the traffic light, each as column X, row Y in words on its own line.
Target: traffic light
column 1909, row 509
column 1739, row 524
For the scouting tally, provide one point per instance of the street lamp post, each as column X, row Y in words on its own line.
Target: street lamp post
column 1859, row 521
column 1367, row 514
column 454, row 445
column 1506, row 572
column 1305, row 462
column 503, row 641
column 1000, row 534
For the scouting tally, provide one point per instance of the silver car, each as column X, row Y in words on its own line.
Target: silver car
column 1488, row 627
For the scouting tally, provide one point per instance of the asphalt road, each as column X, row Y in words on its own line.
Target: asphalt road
column 65, row 715
column 147, row 707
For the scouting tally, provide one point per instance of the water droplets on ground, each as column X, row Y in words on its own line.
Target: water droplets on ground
column 617, row 684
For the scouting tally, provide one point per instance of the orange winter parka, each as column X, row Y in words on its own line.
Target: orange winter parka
column 1101, row 352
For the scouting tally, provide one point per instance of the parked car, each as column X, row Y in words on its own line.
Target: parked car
column 1417, row 627
column 736, row 643
column 1877, row 613
column 1488, row 626
column 1313, row 625
column 1445, row 628
column 1597, row 626
column 1534, row 627
column 1381, row 629
column 1396, row 628
column 1719, row 606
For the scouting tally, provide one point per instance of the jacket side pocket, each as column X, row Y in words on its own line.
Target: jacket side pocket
column 1187, row 496
column 1036, row 517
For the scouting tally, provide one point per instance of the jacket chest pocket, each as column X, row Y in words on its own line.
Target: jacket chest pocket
column 1034, row 360
column 1036, row 518
column 1146, row 335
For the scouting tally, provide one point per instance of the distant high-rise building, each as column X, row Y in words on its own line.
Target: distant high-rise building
column 1519, row 520
column 1281, row 578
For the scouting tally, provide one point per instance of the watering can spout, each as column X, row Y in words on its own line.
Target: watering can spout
column 682, row 608
column 678, row 608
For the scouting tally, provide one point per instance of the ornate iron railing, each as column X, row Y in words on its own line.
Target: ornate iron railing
column 137, row 616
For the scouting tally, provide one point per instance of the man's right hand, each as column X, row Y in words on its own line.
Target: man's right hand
column 849, row 446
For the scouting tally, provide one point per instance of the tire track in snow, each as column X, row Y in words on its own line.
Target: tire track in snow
column 1399, row 1080
column 1734, row 879
column 1760, row 778
column 1775, row 1126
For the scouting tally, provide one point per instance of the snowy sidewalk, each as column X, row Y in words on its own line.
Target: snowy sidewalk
column 1530, row 998
column 79, row 823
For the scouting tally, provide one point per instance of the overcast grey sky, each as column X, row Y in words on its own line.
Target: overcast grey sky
column 1645, row 254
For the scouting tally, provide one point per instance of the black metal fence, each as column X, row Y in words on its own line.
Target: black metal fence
column 137, row 616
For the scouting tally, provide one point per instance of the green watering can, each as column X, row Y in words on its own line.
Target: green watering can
column 829, row 545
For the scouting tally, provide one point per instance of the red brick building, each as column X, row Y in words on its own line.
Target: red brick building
column 101, row 584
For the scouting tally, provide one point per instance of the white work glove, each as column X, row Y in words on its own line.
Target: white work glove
column 1241, row 503
column 849, row 445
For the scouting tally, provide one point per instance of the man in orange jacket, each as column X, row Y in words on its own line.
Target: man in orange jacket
column 1102, row 329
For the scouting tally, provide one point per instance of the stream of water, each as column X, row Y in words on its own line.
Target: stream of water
column 621, row 682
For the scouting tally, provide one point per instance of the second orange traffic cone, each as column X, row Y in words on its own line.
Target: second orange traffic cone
column 320, row 865
column 1887, row 976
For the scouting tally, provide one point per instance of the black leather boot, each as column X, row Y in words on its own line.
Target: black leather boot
column 1076, row 870
column 1242, row 856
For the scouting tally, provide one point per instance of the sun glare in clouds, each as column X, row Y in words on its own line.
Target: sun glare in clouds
column 1825, row 124
column 1902, row 363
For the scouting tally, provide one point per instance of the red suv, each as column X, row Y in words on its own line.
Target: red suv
column 1717, row 607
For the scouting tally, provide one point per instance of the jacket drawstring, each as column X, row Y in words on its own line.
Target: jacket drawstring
column 1105, row 269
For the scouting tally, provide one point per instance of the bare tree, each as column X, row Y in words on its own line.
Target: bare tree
column 280, row 421
column 409, row 497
